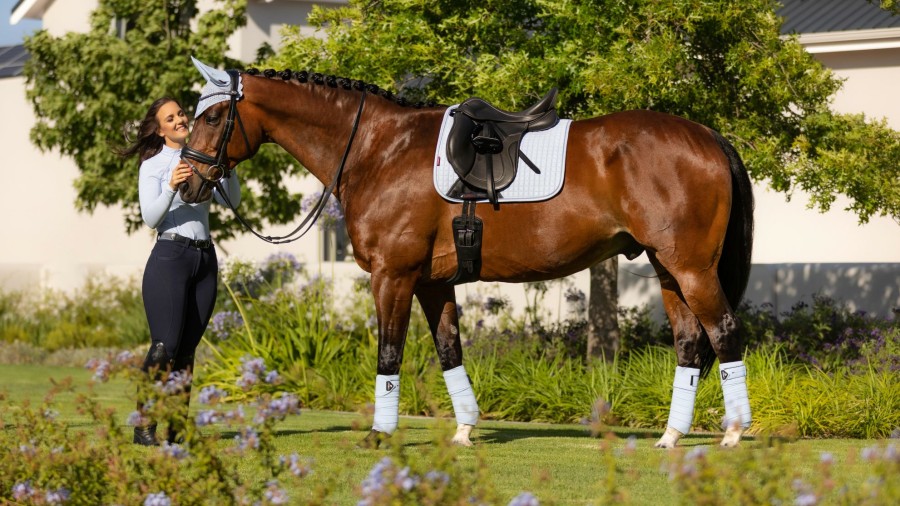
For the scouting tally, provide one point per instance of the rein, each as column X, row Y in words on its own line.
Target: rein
column 314, row 214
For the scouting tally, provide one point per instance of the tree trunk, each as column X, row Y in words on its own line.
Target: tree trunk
column 603, row 309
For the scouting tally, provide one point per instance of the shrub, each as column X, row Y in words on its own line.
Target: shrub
column 825, row 334
column 106, row 312
column 44, row 460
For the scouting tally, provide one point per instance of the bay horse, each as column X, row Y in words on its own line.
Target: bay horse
column 635, row 181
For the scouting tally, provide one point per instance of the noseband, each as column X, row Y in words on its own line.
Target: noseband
column 218, row 166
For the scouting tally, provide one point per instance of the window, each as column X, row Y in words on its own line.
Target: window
column 336, row 243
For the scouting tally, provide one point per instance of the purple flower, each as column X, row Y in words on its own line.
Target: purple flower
column 225, row 323
column 137, row 419
column 125, row 357
column 524, row 499
column 177, row 382
column 807, row 499
column 248, row 438
column 272, row 377
column 405, row 480
column 247, row 380
column 376, row 481
column 437, row 476
column 332, row 213
column 206, row 418
column 253, row 365
column 101, row 369
column 275, row 494
column 279, row 408
column 174, row 451
column 211, row 394
column 235, row 416
column 696, row 453
column 280, row 268
column 158, row 499
column 22, row 491
column 295, row 466
column 58, row 496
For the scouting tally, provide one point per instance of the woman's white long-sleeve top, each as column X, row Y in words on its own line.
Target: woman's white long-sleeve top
column 162, row 207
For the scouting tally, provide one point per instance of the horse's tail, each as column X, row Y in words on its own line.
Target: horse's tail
column 734, row 264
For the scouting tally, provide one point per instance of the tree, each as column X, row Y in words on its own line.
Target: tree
column 723, row 64
column 85, row 87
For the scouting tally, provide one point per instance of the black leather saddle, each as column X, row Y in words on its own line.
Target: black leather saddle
column 483, row 145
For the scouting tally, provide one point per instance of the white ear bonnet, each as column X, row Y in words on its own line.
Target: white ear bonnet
column 217, row 88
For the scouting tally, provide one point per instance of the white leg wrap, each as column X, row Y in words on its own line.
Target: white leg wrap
column 734, row 389
column 387, row 403
column 461, row 394
column 684, row 392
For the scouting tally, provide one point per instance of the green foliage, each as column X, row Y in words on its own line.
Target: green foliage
column 723, row 64
column 327, row 357
column 818, row 370
column 704, row 477
column 87, row 89
column 42, row 454
column 824, row 334
column 89, row 456
column 105, row 312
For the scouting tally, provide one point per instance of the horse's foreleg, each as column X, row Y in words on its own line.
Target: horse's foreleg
column 393, row 300
column 439, row 304
column 688, row 338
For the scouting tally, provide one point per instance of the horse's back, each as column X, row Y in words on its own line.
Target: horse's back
column 660, row 178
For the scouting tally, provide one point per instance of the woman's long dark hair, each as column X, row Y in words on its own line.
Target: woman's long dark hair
column 148, row 142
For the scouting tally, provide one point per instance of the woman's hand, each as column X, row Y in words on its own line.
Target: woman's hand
column 180, row 174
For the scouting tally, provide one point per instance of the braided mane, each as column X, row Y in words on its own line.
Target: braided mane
column 331, row 81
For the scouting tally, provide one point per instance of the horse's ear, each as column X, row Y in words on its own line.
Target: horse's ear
column 217, row 77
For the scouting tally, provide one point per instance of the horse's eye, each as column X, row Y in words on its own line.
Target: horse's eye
column 212, row 120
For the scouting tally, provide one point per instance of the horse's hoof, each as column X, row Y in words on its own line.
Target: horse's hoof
column 461, row 437
column 669, row 439
column 373, row 440
column 732, row 437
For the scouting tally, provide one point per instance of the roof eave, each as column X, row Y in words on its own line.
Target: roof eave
column 851, row 40
column 29, row 9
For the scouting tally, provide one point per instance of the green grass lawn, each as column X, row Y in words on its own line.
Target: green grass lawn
column 560, row 464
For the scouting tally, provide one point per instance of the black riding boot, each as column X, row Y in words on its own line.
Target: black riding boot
column 157, row 363
column 175, row 430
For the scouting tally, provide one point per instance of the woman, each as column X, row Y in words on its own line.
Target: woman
column 180, row 279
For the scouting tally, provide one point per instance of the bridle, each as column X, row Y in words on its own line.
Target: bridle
column 218, row 166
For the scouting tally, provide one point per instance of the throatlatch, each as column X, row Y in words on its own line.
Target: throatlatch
column 467, row 231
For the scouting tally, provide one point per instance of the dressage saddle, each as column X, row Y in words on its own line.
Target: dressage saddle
column 483, row 145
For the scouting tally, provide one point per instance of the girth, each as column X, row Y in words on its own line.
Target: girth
column 483, row 144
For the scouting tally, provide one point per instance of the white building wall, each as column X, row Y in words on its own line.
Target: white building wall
column 68, row 16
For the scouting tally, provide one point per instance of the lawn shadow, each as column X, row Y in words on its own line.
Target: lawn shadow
column 231, row 433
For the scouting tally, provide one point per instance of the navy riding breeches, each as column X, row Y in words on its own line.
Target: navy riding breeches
column 179, row 290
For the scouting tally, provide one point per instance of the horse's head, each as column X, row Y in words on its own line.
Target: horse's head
column 214, row 149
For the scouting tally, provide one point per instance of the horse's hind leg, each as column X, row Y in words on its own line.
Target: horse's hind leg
column 439, row 304
column 703, row 295
column 690, row 343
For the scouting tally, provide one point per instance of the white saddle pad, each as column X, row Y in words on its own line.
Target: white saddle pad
column 547, row 149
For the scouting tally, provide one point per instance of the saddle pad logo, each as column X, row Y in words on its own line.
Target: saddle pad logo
column 546, row 148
